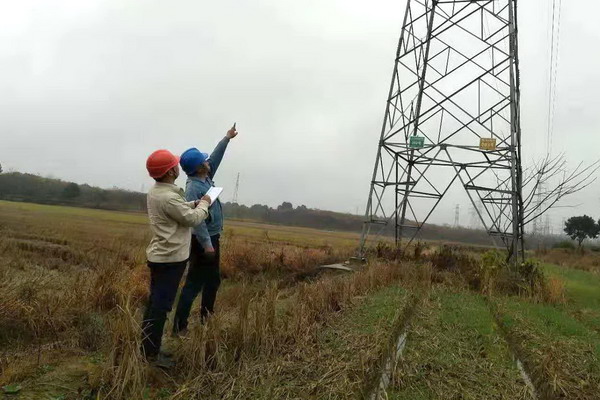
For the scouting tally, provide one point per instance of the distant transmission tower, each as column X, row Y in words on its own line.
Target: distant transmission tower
column 537, row 228
column 474, row 212
column 457, row 216
column 541, row 225
column 547, row 225
column 452, row 116
column 236, row 190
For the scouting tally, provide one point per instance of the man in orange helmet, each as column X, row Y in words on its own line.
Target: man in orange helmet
column 171, row 221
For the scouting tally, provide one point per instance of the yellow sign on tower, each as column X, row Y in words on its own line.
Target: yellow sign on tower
column 488, row 144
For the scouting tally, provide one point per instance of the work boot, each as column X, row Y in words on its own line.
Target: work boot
column 162, row 361
column 182, row 334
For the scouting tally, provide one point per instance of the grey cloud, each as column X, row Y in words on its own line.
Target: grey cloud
column 90, row 90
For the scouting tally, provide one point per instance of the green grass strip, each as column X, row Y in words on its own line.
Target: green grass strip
column 454, row 351
column 565, row 352
column 583, row 293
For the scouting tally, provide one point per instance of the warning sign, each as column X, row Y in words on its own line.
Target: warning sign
column 488, row 144
column 416, row 142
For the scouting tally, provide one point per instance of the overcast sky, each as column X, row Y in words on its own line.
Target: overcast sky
column 89, row 88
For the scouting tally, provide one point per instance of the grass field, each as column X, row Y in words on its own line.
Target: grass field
column 55, row 216
column 73, row 284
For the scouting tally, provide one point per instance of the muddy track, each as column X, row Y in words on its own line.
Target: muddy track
column 377, row 384
column 532, row 373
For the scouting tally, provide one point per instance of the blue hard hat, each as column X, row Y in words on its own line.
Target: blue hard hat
column 191, row 159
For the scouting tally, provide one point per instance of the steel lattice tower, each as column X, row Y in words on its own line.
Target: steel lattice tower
column 236, row 190
column 452, row 117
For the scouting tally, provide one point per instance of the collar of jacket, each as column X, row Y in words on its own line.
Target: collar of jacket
column 195, row 178
column 169, row 186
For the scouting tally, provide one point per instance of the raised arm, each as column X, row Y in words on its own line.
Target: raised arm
column 217, row 155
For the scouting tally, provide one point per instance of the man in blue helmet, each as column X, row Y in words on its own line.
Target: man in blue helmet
column 204, row 273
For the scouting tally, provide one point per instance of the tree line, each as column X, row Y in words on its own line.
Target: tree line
column 15, row 186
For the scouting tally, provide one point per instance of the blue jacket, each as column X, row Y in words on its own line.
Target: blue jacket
column 195, row 188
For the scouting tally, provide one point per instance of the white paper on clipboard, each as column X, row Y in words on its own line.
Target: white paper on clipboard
column 214, row 193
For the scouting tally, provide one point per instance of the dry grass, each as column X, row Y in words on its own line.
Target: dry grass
column 265, row 327
column 125, row 373
column 73, row 283
column 572, row 258
column 288, row 317
column 274, row 329
column 554, row 291
column 242, row 257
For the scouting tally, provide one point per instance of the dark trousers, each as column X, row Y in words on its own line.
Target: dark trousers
column 164, row 281
column 204, row 276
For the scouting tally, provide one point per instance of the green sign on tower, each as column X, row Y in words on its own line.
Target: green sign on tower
column 416, row 142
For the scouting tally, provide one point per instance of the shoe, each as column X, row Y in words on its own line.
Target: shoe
column 167, row 353
column 182, row 334
column 162, row 361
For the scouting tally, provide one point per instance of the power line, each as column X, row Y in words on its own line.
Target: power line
column 552, row 76
column 556, row 63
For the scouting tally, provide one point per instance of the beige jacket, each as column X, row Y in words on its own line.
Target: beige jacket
column 171, row 221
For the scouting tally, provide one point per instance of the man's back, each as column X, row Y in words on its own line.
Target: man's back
column 171, row 219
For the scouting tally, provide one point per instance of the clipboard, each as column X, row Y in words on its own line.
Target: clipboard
column 214, row 193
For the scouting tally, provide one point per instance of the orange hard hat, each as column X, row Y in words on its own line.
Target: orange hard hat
column 160, row 162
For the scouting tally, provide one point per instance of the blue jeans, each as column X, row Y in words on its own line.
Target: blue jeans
column 204, row 276
column 164, row 281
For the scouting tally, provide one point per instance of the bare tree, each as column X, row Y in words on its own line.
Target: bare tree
column 551, row 181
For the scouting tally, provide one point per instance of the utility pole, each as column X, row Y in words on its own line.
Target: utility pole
column 236, row 190
column 452, row 117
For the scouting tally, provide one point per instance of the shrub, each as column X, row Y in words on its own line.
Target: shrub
column 492, row 264
column 452, row 258
column 565, row 244
column 491, row 274
column 531, row 279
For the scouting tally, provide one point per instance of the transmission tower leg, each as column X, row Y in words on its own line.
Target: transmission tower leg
column 517, row 246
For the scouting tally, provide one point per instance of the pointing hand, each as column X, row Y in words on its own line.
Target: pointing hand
column 232, row 132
